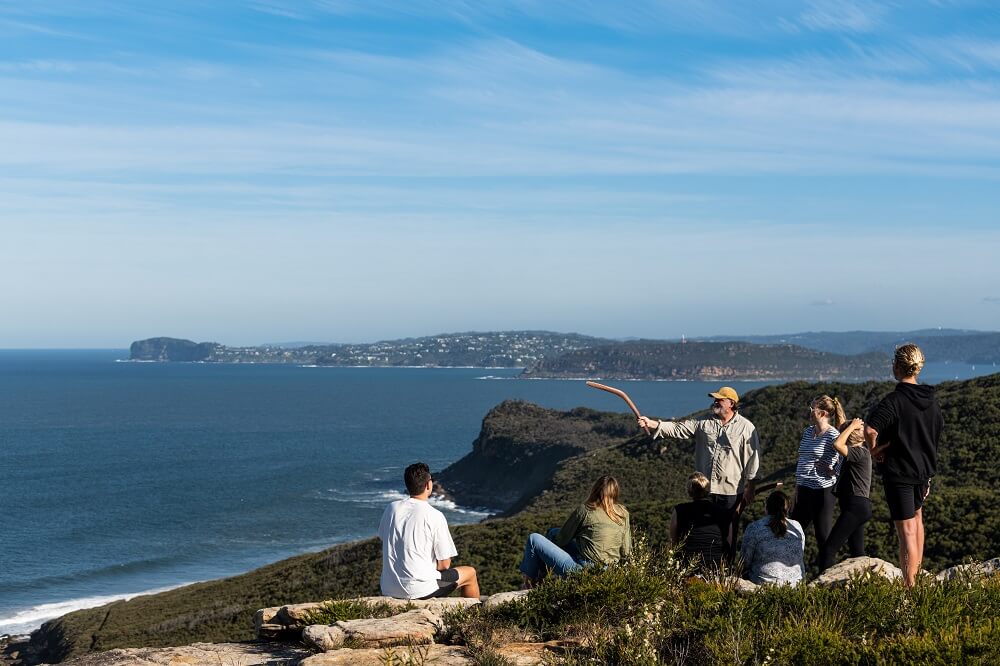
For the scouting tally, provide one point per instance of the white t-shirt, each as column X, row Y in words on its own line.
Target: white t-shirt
column 414, row 537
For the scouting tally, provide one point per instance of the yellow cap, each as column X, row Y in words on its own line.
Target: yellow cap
column 726, row 392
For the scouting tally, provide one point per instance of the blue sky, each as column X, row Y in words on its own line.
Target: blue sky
column 350, row 171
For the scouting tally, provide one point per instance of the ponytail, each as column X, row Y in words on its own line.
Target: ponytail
column 777, row 508
column 838, row 416
column 834, row 410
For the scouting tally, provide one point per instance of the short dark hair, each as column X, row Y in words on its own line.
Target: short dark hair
column 416, row 477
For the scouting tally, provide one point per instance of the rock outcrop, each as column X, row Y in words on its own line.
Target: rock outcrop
column 416, row 627
column 856, row 568
column 171, row 349
column 283, row 622
column 970, row 571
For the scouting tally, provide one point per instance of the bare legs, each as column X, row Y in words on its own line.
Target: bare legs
column 468, row 583
column 911, row 546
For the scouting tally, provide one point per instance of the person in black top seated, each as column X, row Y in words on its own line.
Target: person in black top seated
column 701, row 526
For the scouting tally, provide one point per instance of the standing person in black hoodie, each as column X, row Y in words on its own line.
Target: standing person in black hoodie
column 903, row 433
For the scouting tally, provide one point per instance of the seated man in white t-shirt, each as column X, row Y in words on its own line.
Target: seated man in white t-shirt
column 417, row 547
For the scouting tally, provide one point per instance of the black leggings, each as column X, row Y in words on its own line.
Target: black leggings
column 814, row 505
column 850, row 528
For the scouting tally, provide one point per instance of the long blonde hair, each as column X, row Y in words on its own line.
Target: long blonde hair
column 834, row 410
column 604, row 495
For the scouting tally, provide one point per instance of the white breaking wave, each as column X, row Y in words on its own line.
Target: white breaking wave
column 26, row 621
column 443, row 503
column 379, row 498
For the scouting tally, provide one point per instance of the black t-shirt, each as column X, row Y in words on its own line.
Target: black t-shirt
column 703, row 526
column 856, row 473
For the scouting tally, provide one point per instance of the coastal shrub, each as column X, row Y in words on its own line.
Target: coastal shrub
column 480, row 630
column 804, row 643
column 651, row 615
column 970, row 644
column 604, row 595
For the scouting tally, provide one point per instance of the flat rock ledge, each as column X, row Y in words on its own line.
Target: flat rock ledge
column 281, row 622
column 416, row 627
column 287, row 622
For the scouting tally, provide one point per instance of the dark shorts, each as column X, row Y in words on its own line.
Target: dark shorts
column 447, row 584
column 904, row 498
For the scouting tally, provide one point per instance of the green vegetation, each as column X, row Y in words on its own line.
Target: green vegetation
column 962, row 518
column 648, row 611
column 649, row 359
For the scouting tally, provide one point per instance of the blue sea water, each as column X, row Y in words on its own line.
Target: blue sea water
column 122, row 478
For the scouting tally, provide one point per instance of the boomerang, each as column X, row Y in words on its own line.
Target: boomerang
column 621, row 394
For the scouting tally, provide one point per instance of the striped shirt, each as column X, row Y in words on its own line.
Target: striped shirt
column 818, row 460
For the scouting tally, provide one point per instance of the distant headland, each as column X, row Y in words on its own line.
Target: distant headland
column 852, row 356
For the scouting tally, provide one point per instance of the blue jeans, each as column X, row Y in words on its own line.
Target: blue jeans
column 540, row 552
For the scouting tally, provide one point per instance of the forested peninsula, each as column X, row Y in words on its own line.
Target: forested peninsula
column 548, row 355
column 534, row 465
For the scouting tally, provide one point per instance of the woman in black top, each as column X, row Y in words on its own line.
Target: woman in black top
column 903, row 432
column 701, row 525
column 852, row 491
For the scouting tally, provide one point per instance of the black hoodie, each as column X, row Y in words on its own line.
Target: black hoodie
column 909, row 420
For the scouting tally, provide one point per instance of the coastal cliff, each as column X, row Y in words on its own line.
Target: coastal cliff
column 171, row 349
column 519, row 447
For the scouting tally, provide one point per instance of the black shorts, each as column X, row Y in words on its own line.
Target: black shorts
column 446, row 585
column 904, row 498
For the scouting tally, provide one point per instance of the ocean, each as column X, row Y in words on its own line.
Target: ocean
column 118, row 479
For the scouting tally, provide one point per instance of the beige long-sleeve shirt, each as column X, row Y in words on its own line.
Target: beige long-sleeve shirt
column 727, row 454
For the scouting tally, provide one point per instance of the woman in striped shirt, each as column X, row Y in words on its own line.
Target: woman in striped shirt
column 815, row 474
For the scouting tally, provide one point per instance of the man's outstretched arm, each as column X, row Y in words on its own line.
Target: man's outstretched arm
column 679, row 429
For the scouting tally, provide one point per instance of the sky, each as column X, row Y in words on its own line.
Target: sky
column 339, row 171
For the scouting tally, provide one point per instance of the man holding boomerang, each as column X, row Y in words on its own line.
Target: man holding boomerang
column 726, row 447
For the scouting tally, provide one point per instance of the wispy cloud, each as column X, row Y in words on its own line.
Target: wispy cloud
column 501, row 108
column 842, row 15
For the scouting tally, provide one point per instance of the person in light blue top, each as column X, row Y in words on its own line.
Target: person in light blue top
column 773, row 546
column 816, row 471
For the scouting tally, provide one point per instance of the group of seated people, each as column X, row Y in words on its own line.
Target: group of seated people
column 773, row 547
